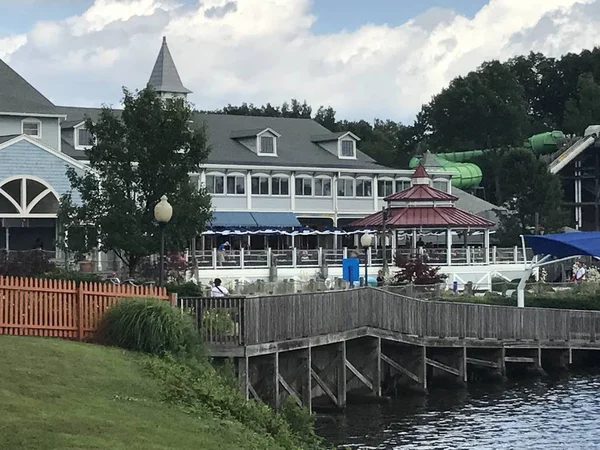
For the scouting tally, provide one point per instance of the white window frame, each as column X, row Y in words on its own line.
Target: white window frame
column 312, row 185
column 344, row 179
column 401, row 180
column 321, row 195
column 380, row 192
column 340, row 145
column 216, row 174
column 236, row 175
column 278, row 178
column 260, row 176
column 356, row 184
column 31, row 120
column 267, row 133
column 77, row 145
column 440, row 180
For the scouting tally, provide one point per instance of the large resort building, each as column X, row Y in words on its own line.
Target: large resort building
column 285, row 192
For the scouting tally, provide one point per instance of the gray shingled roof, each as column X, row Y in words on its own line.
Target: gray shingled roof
column 18, row 96
column 164, row 77
column 7, row 138
column 327, row 137
column 294, row 147
column 237, row 134
column 475, row 205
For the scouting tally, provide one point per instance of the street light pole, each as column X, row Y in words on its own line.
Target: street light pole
column 163, row 212
column 366, row 240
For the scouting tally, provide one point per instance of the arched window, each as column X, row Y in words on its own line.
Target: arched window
column 385, row 187
column 441, row 184
column 24, row 196
column 402, row 183
column 304, row 185
column 280, row 185
column 235, row 184
column 345, row 187
column 322, row 186
column 260, row 184
column 215, row 183
column 364, row 187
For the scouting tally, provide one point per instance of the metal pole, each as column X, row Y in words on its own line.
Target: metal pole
column 162, row 256
column 366, row 264
column 384, row 233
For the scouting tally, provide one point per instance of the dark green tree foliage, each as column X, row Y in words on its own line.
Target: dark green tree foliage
column 485, row 109
column 583, row 108
column 528, row 188
column 146, row 152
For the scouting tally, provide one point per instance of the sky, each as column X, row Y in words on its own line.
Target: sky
column 368, row 59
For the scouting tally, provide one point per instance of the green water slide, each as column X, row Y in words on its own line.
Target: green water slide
column 466, row 175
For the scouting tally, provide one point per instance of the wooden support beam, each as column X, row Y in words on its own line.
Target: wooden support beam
column 243, row 366
column 341, row 375
column 359, row 375
column 323, row 386
column 307, row 387
column 399, row 368
column 463, row 364
column 520, row 359
column 482, row 362
column 253, row 392
column 276, row 380
column 442, row 366
column 290, row 390
column 377, row 368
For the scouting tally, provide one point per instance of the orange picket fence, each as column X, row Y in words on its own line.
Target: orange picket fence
column 59, row 308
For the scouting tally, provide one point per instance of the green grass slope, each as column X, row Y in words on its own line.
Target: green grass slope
column 56, row 394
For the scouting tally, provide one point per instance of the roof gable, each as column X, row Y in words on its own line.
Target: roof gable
column 20, row 97
column 421, row 192
column 164, row 77
column 71, row 161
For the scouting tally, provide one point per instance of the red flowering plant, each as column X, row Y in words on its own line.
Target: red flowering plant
column 416, row 271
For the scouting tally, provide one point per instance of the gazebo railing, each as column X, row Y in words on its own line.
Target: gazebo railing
column 314, row 258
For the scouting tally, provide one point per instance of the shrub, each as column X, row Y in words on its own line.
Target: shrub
column 32, row 263
column 416, row 271
column 189, row 289
column 74, row 275
column 150, row 326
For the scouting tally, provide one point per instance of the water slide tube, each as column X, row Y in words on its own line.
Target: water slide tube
column 466, row 175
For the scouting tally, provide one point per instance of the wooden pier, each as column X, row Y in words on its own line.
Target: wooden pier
column 320, row 348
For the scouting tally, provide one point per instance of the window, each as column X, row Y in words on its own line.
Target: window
column 402, row 184
column 303, row 186
column 385, row 188
column 267, row 145
column 215, row 184
column 84, row 138
column 236, row 184
column 345, row 187
column 364, row 188
column 280, row 186
column 260, row 185
column 347, row 148
column 323, row 187
column 31, row 127
column 442, row 185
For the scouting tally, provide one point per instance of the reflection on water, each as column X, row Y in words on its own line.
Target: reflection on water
column 559, row 413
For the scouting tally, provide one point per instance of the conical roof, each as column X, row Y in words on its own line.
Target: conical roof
column 164, row 77
column 420, row 172
column 18, row 96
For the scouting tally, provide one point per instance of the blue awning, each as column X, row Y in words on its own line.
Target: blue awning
column 242, row 219
column 564, row 245
column 232, row 219
column 276, row 219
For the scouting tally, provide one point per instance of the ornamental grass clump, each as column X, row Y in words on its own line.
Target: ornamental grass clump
column 149, row 326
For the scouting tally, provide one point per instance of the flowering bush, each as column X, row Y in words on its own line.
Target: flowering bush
column 416, row 271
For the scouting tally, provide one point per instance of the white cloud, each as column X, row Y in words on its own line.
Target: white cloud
column 264, row 51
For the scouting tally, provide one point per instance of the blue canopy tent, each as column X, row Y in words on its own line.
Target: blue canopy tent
column 562, row 246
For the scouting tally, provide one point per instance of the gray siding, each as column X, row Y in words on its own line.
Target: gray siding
column 229, row 203
column 12, row 125
column 23, row 158
column 266, row 203
column 314, row 204
column 355, row 204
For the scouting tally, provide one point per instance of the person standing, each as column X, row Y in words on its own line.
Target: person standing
column 217, row 290
column 580, row 273
column 380, row 279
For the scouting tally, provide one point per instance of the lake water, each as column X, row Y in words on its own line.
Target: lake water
column 545, row 413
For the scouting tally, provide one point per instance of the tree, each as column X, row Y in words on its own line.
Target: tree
column 583, row 109
column 528, row 188
column 416, row 271
column 146, row 152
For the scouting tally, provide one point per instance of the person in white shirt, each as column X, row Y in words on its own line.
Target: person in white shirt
column 217, row 290
column 580, row 274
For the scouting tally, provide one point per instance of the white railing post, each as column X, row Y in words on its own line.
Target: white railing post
column 516, row 255
column 345, row 252
column 320, row 257
column 294, row 256
column 494, row 251
column 242, row 257
column 468, row 255
column 268, row 256
column 369, row 256
column 214, row 257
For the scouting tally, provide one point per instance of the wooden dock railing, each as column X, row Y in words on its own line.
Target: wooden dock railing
column 59, row 308
column 277, row 318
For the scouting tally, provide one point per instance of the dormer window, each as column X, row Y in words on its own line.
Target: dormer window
column 267, row 145
column 83, row 138
column 31, row 128
column 347, row 148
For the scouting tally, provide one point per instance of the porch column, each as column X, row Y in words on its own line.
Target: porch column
column 394, row 245
column 7, row 237
column 413, row 244
column 486, row 244
column 449, row 246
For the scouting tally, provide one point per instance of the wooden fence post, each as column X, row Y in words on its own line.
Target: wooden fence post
column 80, row 308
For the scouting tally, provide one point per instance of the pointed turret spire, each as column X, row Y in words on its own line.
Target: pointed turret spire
column 420, row 176
column 165, row 78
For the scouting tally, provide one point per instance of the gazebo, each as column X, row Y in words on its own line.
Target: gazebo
column 423, row 207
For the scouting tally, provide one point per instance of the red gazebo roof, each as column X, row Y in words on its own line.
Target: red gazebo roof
column 422, row 193
column 420, row 172
column 424, row 216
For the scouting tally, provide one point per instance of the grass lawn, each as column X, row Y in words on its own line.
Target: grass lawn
column 57, row 394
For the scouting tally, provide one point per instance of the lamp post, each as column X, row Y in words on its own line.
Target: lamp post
column 366, row 240
column 163, row 212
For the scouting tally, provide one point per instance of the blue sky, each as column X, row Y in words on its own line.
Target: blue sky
column 332, row 15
